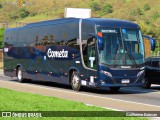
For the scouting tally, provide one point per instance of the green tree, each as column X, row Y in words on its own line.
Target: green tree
column 95, row 6
column 146, row 7
column 107, row 9
column 22, row 13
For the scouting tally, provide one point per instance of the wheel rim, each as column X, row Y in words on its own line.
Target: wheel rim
column 75, row 81
column 19, row 74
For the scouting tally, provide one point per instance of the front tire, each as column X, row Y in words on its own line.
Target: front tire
column 75, row 81
column 20, row 75
column 147, row 83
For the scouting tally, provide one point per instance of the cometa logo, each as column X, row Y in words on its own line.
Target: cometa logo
column 57, row 54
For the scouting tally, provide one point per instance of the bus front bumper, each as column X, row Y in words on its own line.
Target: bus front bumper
column 118, row 82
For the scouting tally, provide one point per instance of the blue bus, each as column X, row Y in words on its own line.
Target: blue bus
column 92, row 52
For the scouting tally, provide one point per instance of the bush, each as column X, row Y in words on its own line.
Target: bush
column 95, row 6
column 1, row 37
column 136, row 12
column 13, row 16
column 146, row 7
column 1, row 6
column 147, row 21
column 32, row 14
column 107, row 9
column 156, row 16
column 133, row 13
column 22, row 13
column 139, row 11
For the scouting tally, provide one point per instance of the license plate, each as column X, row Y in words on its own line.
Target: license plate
column 125, row 81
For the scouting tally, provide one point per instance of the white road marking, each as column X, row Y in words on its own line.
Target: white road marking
column 104, row 107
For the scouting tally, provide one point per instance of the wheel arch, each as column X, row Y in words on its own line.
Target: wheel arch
column 71, row 70
column 17, row 66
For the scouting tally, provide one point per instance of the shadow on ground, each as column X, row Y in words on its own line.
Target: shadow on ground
column 93, row 90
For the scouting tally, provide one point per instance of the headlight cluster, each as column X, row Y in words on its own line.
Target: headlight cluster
column 106, row 73
column 140, row 73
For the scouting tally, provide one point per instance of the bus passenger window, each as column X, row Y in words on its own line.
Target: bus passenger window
column 73, row 44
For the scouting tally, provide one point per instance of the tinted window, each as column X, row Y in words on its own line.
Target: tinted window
column 73, row 44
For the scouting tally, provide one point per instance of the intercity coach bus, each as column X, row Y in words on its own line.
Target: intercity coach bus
column 92, row 52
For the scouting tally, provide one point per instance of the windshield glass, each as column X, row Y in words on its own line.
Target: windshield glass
column 121, row 47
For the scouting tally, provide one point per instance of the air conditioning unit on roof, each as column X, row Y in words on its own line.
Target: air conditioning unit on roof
column 77, row 13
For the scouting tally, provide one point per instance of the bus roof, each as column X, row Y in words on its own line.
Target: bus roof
column 110, row 22
column 105, row 22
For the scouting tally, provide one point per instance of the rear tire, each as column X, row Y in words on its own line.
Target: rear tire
column 114, row 89
column 147, row 83
column 20, row 75
column 75, row 81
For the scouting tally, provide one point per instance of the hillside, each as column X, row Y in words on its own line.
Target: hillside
column 145, row 13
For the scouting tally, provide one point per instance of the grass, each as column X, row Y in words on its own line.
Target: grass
column 20, row 101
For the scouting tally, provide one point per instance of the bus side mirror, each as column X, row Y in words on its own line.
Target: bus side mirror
column 152, row 42
column 100, row 43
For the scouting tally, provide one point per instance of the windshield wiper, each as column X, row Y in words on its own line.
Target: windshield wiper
column 114, row 64
column 131, row 56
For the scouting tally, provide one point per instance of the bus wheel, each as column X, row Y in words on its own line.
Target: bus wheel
column 146, row 84
column 20, row 75
column 75, row 81
column 114, row 89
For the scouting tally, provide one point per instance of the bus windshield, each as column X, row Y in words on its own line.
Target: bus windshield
column 121, row 47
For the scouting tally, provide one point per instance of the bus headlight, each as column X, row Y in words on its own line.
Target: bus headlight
column 140, row 73
column 106, row 73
